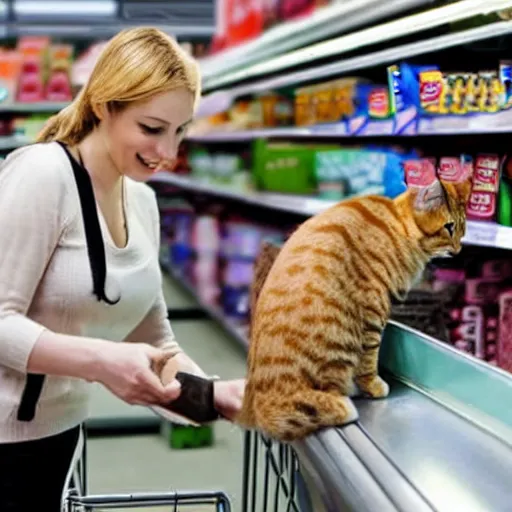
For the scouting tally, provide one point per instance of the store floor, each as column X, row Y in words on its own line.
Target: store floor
column 138, row 463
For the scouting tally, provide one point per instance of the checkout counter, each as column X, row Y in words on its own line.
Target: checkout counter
column 441, row 441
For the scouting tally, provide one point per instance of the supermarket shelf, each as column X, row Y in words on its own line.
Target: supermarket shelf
column 483, row 234
column 236, row 331
column 288, row 203
column 247, row 135
column 486, row 234
column 402, row 27
column 104, row 30
column 322, row 24
column 13, row 141
column 341, row 131
column 89, row 19
column 42, row 106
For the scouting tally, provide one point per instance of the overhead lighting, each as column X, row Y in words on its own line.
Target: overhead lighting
column 65, row 8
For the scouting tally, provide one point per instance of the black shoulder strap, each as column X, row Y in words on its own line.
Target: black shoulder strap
column 98, row 263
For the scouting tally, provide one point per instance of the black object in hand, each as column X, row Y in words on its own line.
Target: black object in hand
column 196, row 400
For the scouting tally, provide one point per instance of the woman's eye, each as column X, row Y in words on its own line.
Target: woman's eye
column 151, row 130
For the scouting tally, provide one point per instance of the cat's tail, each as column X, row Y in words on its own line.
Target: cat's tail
column 245, row 417
column 290, row 418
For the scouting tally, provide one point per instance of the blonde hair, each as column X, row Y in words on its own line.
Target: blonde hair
column 135, row 65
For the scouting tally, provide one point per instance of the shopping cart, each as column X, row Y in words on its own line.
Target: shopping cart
column 76, row 498
column 272, row 480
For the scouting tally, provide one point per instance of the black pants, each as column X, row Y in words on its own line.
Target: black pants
column 33, row 473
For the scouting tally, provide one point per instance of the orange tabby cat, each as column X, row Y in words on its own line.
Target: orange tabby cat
column 320, row 304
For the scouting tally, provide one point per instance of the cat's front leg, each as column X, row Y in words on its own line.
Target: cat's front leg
column 367, row 377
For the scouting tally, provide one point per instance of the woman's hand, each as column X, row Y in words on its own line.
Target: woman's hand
column 126, row 370
column 228, row 396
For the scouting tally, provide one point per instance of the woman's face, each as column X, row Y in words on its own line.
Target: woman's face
column 144, row 138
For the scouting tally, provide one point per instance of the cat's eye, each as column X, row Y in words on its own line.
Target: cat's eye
column 450, row 227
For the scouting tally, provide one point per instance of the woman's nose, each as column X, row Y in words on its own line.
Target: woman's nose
column 167, row 150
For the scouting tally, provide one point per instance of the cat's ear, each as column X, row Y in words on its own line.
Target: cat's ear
column 430, row 198
column 460, row 191
column 268, row 254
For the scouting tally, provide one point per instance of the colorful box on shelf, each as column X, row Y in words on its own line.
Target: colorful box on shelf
column 485, row 201
column 426, row 100
column 347, row 106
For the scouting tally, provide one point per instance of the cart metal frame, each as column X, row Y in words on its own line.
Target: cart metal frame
column 77, row 499
column 277, row 464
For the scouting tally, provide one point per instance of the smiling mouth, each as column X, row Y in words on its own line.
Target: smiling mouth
column 150, row 165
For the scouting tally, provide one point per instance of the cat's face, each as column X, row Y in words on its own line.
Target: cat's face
column 440, row 214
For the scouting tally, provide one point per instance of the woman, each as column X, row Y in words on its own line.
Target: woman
column 79, row 237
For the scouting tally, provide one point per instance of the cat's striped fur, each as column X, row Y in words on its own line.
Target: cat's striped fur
column 321, row 302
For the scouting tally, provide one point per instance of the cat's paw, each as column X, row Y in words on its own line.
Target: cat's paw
column 353, row 391
column 352, row 412
column 379, row 388
column 375, row 388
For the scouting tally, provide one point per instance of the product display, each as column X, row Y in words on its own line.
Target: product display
column 466, row 303
column 306, row 103
column 463, row 302
column 36, row 70
column 327, row 171
column 410, row 100
column 214, row 252
column 240, row 21
column 483, row 204
column 335, row 171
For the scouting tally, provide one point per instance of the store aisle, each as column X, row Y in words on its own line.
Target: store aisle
column 145, row 462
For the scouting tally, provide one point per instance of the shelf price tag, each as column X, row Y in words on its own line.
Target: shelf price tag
column 482, row 233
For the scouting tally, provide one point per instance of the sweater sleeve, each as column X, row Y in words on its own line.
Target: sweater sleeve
column 32, row 218
column 155, row 327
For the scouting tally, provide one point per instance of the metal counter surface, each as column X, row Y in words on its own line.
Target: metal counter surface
column 452, row 462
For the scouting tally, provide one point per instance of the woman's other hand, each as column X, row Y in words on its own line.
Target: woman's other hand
column 126, row 369
column 228, row 396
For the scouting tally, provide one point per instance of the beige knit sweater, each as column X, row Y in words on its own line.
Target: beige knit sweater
column 46, row 282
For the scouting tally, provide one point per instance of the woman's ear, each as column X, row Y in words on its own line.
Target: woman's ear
column 99, row 111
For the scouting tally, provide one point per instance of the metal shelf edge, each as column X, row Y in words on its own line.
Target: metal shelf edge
column 319, row 131
column 42, row 106
column 288, row 203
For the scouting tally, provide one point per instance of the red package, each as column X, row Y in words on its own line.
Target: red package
column 420, row 173
column 468, row 336
column 487, row 173
column 483, row 199
column 481, row 206
column 454, row 170
column 242, row 20
column 290, row 9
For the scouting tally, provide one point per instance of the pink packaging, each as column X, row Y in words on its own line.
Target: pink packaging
column 420, row 173
column 487, row 173
column 482, row 291
column 468, row 336
column 499, row 269
column 504, row 345
column 481, row 206
column 454, row 170
column 206, row 236
column 483, row 199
